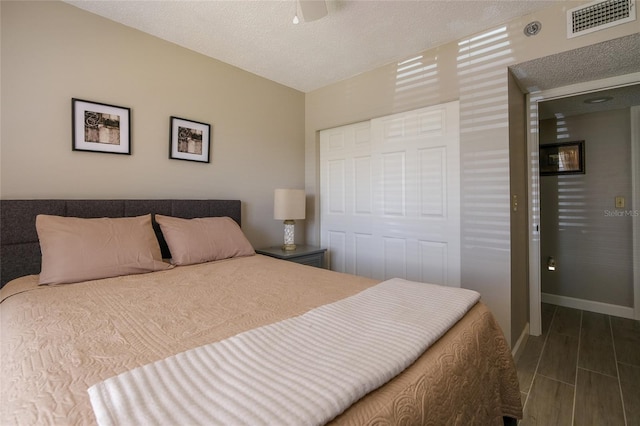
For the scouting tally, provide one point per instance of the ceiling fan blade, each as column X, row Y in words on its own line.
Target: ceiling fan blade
column 312, row 9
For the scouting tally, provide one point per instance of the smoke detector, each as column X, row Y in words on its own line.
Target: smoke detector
column 532, row 28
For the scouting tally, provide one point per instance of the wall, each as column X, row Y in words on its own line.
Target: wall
column 590, row 239
column 473, row 70
column 52, row 51
column 519, row 214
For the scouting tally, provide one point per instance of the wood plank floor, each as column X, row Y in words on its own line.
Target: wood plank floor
column 583, row 370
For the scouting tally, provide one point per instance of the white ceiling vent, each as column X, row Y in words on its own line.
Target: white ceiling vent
column 599, row 15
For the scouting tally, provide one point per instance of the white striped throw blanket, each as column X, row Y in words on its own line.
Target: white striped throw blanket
column 305, row 370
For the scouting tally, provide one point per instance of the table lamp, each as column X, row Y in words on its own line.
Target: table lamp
column 289, row 205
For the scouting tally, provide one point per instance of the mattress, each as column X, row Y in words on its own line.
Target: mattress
column 57, row 341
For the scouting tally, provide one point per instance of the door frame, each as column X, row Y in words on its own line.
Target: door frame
column 635, row 191
column 532, row 99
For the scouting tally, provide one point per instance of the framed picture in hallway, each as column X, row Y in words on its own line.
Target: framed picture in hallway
column 100, row 127
column 562, row 158
column 189, row 140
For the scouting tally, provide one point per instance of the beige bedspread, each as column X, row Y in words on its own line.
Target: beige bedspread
column 58, row 341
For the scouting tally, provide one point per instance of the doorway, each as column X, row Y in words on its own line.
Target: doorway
column 578, row 215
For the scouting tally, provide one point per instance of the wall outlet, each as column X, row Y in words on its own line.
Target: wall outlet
column 619, row 202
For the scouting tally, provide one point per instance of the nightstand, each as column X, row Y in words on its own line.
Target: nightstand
column 305, row 255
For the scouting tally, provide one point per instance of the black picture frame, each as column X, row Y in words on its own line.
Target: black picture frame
column 189, row 140
column 100, row 127
column 563, row 158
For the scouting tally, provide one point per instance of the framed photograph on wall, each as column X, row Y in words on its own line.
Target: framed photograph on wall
column 100, row 127
column 189, row 140
column 562, row 158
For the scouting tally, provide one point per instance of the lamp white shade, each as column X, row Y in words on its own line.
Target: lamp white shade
column 289, row 204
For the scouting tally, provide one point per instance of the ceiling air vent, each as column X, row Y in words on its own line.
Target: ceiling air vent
column 599, row 15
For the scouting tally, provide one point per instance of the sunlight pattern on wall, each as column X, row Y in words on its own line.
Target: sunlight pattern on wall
column 416, row 82
column 482, row 61
column 571, row 202
column 570, row 189
column 485, row 177
column 534, row 167
column 562, row 131
column 481, row 65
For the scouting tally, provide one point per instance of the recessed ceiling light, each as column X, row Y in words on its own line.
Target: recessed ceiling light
column 598, row 100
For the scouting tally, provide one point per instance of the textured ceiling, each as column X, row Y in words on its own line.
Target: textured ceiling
column 602, row 60
column 356, row 35
column 611, row 58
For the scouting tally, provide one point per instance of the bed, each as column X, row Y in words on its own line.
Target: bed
column 62, row 341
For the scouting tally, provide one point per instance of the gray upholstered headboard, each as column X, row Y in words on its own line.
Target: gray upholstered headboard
column 19, row 247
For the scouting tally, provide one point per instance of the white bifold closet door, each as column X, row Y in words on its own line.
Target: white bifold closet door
column 390, row 196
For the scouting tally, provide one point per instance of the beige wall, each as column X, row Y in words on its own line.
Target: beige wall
column 519, row 214
column 52, row 51
column 591, row 239
column 473, row 70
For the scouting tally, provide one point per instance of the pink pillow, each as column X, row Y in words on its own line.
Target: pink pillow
column 75, row 249
column 203, row 239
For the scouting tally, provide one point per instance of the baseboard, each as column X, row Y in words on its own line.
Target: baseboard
column 520, row 343
column 588, row 305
